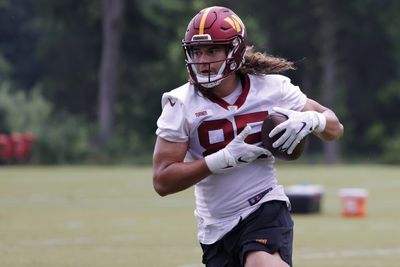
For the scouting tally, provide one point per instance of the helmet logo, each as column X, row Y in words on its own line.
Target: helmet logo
column 235, row 22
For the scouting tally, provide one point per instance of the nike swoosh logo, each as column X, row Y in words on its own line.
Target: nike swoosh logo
column 171, row 102
column 227, row 167
column 304, row 125
column 241, row 160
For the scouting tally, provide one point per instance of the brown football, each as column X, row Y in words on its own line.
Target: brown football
column 269, row 123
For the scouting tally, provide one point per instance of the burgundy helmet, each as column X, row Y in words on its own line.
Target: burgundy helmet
column 219, row 26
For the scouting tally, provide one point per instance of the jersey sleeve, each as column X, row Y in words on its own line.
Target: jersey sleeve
column 292, row 97
column 172, row 124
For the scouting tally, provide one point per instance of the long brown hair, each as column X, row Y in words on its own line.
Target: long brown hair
column 261, row 63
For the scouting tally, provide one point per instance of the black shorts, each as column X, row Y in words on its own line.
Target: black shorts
column 269, row 229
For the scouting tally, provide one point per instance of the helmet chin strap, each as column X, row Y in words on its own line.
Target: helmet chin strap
column 212, row 84
column 211, row 81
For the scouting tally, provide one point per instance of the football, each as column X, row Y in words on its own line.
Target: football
column 269, row 123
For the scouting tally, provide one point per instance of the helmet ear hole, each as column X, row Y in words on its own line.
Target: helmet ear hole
column 235, row 42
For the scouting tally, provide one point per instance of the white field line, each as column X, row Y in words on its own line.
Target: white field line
column 348, row 253
column 334, row 255
column 299, row 256
column 52, row 242
column 81, row 240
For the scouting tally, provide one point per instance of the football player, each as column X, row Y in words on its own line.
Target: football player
column 208, row 136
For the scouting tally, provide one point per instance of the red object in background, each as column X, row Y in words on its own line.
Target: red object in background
column 29, row 139
column 6, row 147
column 354, row 201
column 22, row 145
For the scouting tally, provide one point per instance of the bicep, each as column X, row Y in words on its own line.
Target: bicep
column 166, row 153
column 170, row 173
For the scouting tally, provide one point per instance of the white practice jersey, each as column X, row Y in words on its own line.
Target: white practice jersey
column 208, row 124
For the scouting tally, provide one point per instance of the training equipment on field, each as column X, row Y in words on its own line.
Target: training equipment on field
column 279, row 152
column 305, row 198
column 353, row 201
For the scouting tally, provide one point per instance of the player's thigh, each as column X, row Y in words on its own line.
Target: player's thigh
column 264, row 259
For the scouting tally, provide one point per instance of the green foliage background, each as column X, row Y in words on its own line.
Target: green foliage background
column 50, row 55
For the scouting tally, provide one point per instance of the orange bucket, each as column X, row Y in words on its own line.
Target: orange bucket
column 354, row 202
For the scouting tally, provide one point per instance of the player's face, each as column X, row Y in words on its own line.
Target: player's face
column 205, row 54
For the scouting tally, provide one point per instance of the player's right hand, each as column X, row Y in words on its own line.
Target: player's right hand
column 236, row 153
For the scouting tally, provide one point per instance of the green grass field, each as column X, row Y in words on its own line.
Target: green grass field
column 110, row 216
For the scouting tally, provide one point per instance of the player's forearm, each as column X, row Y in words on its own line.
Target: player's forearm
column 333, row 129
column 179, row 176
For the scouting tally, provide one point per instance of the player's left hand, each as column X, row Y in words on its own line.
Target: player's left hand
column 296, row 127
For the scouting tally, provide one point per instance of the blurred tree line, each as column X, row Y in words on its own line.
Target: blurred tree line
column 54, row 66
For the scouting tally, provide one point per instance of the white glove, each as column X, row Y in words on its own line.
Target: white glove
column 298, row 125
column 236, row 153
